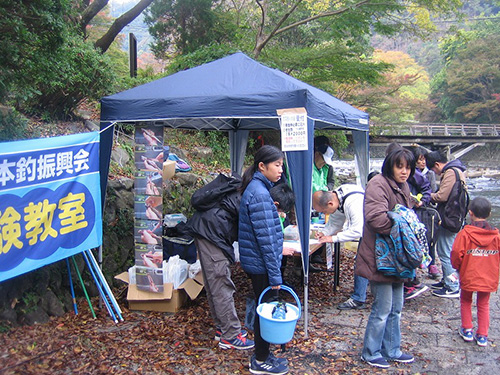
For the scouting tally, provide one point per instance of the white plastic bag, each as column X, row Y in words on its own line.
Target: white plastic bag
column 194, row 269
column 176, row 271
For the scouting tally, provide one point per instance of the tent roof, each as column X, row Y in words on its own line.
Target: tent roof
column 234, row 92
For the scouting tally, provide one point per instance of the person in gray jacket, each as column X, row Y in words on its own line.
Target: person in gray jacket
column 345, row 223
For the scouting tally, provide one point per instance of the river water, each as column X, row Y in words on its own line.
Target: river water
column 488, row 188
column 478, row 187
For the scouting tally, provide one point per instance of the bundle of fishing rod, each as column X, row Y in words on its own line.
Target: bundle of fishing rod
column 105, row 292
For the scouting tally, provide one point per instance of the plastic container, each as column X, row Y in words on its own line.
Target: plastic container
column 291, row 233
column 278, row 331
column 171, row 220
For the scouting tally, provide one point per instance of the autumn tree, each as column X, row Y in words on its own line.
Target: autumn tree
column 402, row 95
column 467, row 89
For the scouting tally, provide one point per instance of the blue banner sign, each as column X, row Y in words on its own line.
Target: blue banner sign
column 50, row 201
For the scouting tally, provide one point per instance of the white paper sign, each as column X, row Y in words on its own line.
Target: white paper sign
column 293, row 129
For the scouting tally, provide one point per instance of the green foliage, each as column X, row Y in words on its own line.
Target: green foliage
column 468, row 87
column 12, row 125
column 74, row 71
column 46, row 67
column 202, row 55
column 4, row 326
column 323, row 65
column 177, row 198
column 123, row 223
column 185, row 25
column 188, row 139
column 29, row 302
column 219, row 143
column 29, row 31
column 338, row 140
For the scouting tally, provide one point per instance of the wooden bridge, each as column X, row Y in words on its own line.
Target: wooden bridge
column 458, row 138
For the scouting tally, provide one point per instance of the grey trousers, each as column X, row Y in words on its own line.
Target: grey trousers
column 219, row 287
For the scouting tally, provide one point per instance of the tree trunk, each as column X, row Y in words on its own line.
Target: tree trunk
column 91, row 11
column 105, row 41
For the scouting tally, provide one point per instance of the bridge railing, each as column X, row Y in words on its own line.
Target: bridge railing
column 457, row 130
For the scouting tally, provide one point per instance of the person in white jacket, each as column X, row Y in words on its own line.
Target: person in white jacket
column 345, row 223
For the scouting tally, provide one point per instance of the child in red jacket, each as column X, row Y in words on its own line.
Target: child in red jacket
column 475, row 254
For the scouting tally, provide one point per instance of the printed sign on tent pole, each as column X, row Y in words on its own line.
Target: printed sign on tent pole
column 293, row 124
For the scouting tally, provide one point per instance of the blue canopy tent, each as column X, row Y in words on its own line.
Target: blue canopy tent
column 237, row 94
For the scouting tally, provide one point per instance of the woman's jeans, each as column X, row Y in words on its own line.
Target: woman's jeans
column 383, row 331
column 360, row 286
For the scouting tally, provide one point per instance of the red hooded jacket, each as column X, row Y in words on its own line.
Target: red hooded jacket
column 475, row 254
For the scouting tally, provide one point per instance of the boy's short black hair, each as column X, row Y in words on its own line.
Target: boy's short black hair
column 480, row 207
column 283, row 194
column 434, row 157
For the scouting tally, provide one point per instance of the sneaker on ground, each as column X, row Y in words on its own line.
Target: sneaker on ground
column 446, row 293
column 433, row 272
column 466, row 334
column 280, row 360
column 377, row 362
column 239, row 342
column 218, row 334
column 481, row 340
column 269, row 366
column 272, row 357
column 403, row 358
column 415, row 291
column 351, row 304
column 438, row 285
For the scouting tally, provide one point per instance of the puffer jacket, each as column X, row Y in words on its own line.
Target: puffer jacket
column 381, row 195
column 260, row 237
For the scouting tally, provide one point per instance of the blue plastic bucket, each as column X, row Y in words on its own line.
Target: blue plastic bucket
column 279, row 331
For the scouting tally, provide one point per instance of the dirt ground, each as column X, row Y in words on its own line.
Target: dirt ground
column 182, row 343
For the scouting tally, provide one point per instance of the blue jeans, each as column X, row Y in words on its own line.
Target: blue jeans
column 383, row 331
column 360, row 286
column 444, row 243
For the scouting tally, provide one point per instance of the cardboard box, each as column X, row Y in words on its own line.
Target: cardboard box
column 170, row 300
column 168, row 169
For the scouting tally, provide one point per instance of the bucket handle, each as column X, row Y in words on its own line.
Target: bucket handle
column 288, row 289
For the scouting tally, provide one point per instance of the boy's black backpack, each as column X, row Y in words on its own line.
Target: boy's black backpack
column 454, row 210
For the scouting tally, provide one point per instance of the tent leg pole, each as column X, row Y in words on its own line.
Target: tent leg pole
column 306, row 299
column 99, row 255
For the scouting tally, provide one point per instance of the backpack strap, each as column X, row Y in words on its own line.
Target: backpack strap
column 341, row 208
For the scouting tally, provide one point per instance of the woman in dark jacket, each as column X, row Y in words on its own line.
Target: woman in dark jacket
column 260, row 240
column 383, row 335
